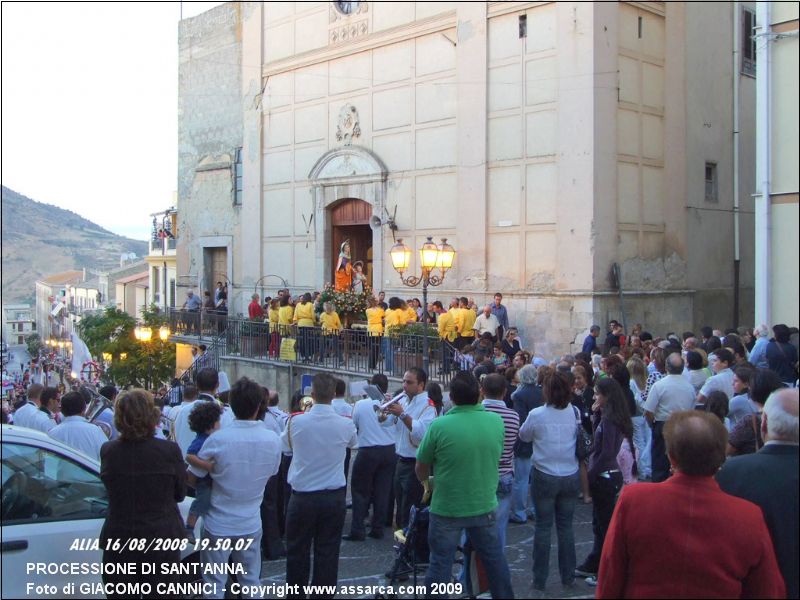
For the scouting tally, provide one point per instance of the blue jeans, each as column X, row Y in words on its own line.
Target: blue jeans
column 520, row 508
column 444, row 534
column 642, row 438
column 388, row 356
column 554, row 497
column 501, row 514
column 503, row 510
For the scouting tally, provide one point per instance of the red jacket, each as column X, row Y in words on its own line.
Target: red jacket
column 255, row 311
column 686, row 538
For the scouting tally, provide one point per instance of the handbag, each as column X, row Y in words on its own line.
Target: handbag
column 583, row 441
column 287, row 351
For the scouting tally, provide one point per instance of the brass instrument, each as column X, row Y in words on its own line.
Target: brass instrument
column 95, row 407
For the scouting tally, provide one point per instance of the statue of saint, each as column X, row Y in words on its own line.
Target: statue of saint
column 359, row 279
column 343, row 278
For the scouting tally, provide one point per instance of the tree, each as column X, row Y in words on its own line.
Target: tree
column 34, row 343
column 111, row 332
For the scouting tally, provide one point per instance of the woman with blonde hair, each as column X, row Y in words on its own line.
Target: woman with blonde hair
column 642, row 435
column 145, row 478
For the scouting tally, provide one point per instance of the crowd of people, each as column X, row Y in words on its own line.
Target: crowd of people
column 686, row 446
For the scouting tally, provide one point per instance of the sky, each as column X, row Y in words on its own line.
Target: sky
column 89, row 107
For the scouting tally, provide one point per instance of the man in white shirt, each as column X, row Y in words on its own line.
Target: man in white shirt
column 244, row 456
column 75, row 430
column 30, row 414
column 410, row 418
column 343, row 408
column 317, row 440
column 669, row 394
column 189, row 397
column 207, row 383
column 373, row 469
column 487, row 322
column 758, row 355
column 720, row 362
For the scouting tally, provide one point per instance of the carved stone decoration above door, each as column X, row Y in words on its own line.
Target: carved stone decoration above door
column 348, row 127
column 347, row 172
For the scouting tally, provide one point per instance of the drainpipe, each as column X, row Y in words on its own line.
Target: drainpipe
column 763, row 283
column 737, row 44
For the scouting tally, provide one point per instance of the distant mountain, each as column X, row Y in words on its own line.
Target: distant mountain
column 41, row 240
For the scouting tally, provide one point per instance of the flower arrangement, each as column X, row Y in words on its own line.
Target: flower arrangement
column 350, row 305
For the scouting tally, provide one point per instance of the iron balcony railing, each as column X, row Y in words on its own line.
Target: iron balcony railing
column 352, row 350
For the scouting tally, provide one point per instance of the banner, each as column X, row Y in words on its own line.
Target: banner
column 80, row 354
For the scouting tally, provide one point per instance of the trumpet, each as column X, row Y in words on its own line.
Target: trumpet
column 95, row 407
column 383, row 409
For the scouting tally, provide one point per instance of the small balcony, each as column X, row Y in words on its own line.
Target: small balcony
column 163, row 247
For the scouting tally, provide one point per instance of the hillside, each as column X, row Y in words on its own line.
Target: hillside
column 41, row 239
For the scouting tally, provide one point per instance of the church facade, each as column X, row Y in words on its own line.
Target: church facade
column 580, row 157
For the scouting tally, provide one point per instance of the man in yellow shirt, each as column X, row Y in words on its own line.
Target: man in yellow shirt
column 465, row 321
column 331, row 328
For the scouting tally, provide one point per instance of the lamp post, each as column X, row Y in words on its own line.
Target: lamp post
column 431, row 257
column 144, row 335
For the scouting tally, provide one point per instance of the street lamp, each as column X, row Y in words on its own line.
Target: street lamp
column 431, row 257
column 144, row 335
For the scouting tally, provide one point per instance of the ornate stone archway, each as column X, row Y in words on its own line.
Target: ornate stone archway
column 347, row 172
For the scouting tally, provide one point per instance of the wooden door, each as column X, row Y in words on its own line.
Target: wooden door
column 350, row 219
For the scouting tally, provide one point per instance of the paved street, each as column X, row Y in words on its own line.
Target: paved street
column 364, row 563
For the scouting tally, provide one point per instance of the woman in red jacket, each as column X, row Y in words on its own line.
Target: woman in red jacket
column 684, row 537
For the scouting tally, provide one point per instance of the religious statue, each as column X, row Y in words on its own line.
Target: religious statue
column 343, row 278
column 359, row 279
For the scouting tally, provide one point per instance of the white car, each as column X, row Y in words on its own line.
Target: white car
column 53, row 502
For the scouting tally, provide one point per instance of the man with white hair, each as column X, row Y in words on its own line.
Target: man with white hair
column 487, row 322
column 769, row 478
column 758, row 355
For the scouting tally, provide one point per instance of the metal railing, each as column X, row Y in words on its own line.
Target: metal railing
column 210, row 358
column 158, row 246
column 201, row 323
column 351, row 350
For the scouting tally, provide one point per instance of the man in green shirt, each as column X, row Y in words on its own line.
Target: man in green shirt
column 464, row 446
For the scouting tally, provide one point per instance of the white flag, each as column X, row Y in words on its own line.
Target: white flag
column 80, row 354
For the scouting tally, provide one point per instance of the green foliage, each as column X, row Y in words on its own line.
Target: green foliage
column 347, row 304
column 34, row 343
column 418, row 329
column 111, row 332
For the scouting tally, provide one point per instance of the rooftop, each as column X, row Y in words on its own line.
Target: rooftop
column 65, row 277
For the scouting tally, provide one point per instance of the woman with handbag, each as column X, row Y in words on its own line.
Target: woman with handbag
column 553, row 430
column 612, row 425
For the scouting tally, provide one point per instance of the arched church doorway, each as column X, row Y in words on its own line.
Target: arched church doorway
column 350, row 221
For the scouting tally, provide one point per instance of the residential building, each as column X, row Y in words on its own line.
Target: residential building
column 133, row 293
column 51, row 303
column 162, row 260
column 775, row 47
column 552, row 144
column 18, row 323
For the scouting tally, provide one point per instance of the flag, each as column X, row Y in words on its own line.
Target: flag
column 80, row 354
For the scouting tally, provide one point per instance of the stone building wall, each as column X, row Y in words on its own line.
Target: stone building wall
column 547, row 142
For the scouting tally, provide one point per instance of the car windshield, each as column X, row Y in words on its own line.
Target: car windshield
column 39, row 485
